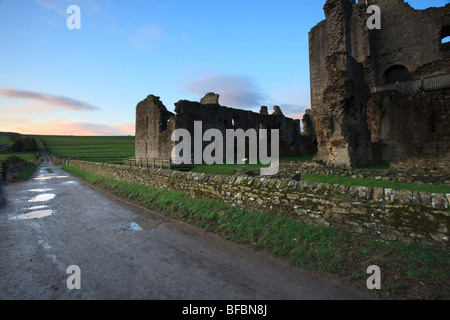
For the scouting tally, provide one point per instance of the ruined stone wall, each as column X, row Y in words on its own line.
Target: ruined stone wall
column 433, row 164
column 347, row 60
column 408, row 125
column 155, row 125
column 214, row 116
column 154, row 128
column 338, row 88
column 391, row 215
column 409, row 37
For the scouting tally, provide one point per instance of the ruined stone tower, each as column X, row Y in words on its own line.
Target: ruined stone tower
column 380, row 94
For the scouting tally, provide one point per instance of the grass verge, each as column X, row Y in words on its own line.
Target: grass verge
column 231, row 169
column 408, row 272
column 366, row 182
column 25, row 156
column 27, row 173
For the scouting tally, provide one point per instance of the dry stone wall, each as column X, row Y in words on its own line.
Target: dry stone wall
column 391, row 215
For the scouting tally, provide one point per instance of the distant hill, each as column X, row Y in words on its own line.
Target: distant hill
column 8, row 133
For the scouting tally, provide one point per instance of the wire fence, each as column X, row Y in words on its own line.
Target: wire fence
column 111, row 159
column 423, row 84
column 5, row 166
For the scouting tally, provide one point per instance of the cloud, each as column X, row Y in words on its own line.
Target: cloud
column 64, row 127
column 293, row 111
column 60, row 6
column 146, row 37
column 48, row 99
column 235, row 90
column 56, row 6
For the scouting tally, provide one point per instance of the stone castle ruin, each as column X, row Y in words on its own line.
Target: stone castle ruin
column 155, row 125
column 377, row 95
column 380, row 94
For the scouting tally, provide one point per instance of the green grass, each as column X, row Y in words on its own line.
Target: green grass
column 365, row 182
column 83, row 146
column 26, row 156
column 407, row 271
column 4, row 140
column 231, row 169
column 27, row 173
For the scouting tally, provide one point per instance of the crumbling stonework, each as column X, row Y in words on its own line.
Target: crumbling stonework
column 155, row 125
column 356, row 124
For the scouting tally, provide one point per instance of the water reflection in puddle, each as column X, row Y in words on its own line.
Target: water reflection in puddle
column 37, row 208
column 35, row 215
column 47, row 177
column 134, row 226
column 40, row 177
column 40, row 190
column 43, row 197
column 142, row 225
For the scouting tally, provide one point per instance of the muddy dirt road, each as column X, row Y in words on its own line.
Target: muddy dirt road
column 54, row 221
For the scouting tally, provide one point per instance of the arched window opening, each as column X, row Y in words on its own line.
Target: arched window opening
column 396, row 73
column 445, row 37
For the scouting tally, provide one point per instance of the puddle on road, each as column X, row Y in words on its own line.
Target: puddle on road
column 43, row 197
column 35, row 215
column 141, row 225
column 134, row 226
column 37, row 208
column 42, row 177
column 40, row 190
column 147, row 225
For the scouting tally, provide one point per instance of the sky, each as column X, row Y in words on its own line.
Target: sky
column 88, row 81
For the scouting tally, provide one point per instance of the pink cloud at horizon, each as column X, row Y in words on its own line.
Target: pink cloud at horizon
column 64, row 127
column 298, row 116
column 47, row 99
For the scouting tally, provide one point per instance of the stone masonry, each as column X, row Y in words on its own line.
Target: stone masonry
column 155, row 125
column 358, row 125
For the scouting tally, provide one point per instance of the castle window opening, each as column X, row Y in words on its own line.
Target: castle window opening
column 396, row 73
column 445, row 36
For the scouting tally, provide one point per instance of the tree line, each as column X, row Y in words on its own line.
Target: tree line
column 23, row 143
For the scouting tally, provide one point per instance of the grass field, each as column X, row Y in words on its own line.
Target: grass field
column 4, row 140
column 410, row 272
column 26, row 156
column 365, row 182
column 231, row 169
column 85, row 147
column 115, row 149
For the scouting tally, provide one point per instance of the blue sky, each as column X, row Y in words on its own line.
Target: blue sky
column 88, row 82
